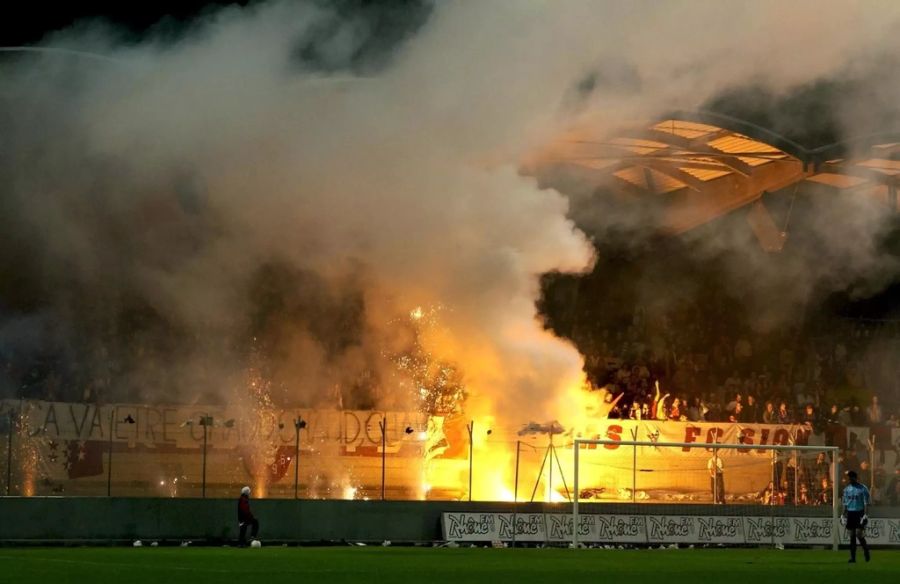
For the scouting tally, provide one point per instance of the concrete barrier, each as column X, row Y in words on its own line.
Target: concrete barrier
column 60, row 519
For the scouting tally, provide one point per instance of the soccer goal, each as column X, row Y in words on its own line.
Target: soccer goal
column 704, row 493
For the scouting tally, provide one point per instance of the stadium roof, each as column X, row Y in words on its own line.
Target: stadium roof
column 697, row 167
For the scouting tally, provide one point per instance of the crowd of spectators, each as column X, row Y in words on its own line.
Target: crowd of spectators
column 664, row 369
column 690, row 365
column 807, row 480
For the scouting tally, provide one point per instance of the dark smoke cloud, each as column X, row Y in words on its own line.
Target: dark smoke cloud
column 827, row 96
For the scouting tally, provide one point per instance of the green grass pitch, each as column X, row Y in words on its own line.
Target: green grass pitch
column 276, row 565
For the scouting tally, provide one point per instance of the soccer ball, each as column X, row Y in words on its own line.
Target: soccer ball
column 255, row 543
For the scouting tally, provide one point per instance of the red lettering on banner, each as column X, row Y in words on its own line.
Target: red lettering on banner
column 690, row 435
column 590, row 446
column 764, row 440
column 614, row 432
column 781, row 438
column 747, row 435
column 714, row 435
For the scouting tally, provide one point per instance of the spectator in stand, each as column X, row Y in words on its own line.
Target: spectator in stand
column 803, row 499
column 822, row 468
column 767, row 495
column 857, row 415
column 616, row 412
column 823, row 497
column 835, row 431
column 660, row 406
column 751, row 410
column 675, row 410
column 809, row 417
column 770, row 416
column 844, row 418
column 782, row 497
column 732, row 405
column 693, row 410
column 704, row 411
column 874, row 412
column 861, row 446
column 737, row 414
column 635, row 413
column 784, row 416
column 791, row 478
column 655, row 400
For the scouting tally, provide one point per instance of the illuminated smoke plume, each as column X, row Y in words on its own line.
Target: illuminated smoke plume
column 210, row 206
column 256, row 193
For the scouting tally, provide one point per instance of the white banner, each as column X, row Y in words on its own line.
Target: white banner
column 788, row 530
column 878, row 532
column 671, row 529
column 658, row 529
column 597, row 528
column 694, row 529
column 727, row 530
column 619, row 528
column 767, row 530
column 810, row 531
column 531, row 527
column 356, row 432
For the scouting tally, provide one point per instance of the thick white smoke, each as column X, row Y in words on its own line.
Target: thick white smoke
column 175, row 175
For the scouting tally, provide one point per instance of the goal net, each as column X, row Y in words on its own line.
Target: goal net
column 704, row 493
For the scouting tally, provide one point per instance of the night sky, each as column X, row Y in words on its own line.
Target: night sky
column 35, row 19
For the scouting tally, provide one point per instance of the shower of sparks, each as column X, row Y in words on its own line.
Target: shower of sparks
column 436, row 386
column 259, row 385
column 31, row 463
column 259, row 389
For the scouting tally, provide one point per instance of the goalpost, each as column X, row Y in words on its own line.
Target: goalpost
column 774, row 493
